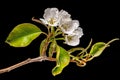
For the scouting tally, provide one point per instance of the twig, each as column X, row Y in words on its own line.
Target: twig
column 27, row 61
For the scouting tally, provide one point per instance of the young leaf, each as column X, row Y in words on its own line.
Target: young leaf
column 62, row 60
column 97, row 49
column 52, row 48
column 42, row 46
column 23, row 34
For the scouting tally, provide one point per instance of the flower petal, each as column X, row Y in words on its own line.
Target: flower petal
column 78, row 32
column 70, row 26
column 43, row 21
column 64, row 17
column 72, row 40
column 75, row 24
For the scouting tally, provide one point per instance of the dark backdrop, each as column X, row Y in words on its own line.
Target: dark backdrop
column 99, row 21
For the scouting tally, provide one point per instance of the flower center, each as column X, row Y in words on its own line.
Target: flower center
column 69, row 38
column 52, row 21
column 65, row 27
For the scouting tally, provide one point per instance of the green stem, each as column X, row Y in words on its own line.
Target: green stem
column 45, row 33
column 75, row 49
column 112, row 40
column 74, row 58
column 43, row 52
column 85, row 50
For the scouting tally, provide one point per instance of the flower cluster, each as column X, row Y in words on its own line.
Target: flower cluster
column 62, row 19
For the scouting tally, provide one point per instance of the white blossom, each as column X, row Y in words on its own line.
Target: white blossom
column 64, row 17
column 72, row 40
column 51, row 16
column 54, row 17
column 69, row 26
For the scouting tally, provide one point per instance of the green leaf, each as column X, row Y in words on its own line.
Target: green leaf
column 52, row 48
column 62, row 60
column 23, row 34
column 97, row 49
column 42, row 46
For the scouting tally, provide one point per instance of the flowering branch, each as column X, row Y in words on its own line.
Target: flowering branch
column 57, row 23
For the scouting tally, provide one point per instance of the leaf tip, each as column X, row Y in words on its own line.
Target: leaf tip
column 54, row 74
column 8, row 42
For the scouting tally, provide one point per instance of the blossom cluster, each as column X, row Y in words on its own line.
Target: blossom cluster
column 62, row 19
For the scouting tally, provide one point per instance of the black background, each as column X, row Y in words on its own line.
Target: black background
column 99, row 21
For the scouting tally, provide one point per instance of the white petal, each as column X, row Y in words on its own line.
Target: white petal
column 75, row 24
column 43, row 21
column 78, row 32
column 54, row 13
column 72, row 40
column 64, row 17
column 70, row 26
column 47, row 15
column 64, row 14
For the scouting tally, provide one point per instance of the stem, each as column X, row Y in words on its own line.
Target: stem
column 27, row 61
column 85, row 50
column 75, row 49
column 46, row 45
column 112, row 40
